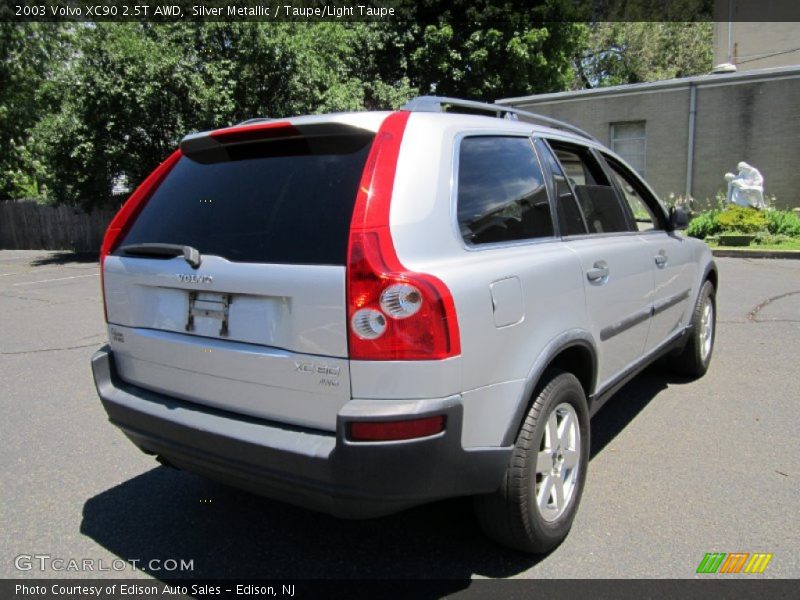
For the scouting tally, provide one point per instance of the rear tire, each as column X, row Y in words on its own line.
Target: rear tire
column 695, row 358
column 534, row 507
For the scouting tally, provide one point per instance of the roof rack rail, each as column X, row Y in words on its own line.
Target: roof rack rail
column 437, row 104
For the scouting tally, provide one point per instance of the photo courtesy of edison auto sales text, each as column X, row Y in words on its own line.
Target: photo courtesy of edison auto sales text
column 138, row 590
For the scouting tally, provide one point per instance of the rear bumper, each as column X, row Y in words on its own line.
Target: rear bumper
column 318, row 470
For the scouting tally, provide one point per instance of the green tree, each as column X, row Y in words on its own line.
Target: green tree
column 281, row 69
column 132, row 90
column 125, row 93
column 634, row 52
column 486, row 50
column 128, row 93
column 31, row 55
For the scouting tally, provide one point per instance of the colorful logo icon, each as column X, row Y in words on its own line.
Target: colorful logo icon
column 735, row 562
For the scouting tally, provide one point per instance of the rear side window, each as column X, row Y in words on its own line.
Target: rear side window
column 570, row 218
column 501, row 191
column 287, row 201
column 597, row 199
column 643, row 215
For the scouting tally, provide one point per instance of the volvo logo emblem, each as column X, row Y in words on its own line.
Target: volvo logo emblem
column 191, row 278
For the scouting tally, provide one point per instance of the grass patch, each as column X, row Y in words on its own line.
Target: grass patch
column 789, row 245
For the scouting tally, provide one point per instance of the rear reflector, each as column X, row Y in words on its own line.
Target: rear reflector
column 384, row 431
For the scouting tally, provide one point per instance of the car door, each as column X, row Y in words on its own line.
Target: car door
column 674, row 271
column 618, row 278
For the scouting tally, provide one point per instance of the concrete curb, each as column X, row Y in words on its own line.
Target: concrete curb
column 730, row 253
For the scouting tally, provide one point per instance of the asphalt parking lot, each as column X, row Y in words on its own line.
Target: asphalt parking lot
column 678, row 468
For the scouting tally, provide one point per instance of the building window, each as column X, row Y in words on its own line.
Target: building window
column 629, row 141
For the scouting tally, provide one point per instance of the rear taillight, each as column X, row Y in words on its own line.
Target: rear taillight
column 126, row 215
column 385, row 431
column 393, row 313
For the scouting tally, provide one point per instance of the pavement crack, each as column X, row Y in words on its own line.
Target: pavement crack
column 785, row 265
column 778, row 321
column 751, row 316
column 47, row 350
column 19, row 297
column 91, row 337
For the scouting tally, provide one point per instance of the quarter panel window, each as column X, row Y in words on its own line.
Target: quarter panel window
column 501, row 191
column 643, row 215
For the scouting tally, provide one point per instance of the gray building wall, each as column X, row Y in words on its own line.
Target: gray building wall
column 755, row 119
column 667, row 135
column 756, row 122
column 757, row 45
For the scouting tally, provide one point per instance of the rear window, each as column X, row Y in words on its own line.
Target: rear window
column 287, row 201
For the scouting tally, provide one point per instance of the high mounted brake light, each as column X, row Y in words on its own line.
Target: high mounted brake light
column 256, row 131
column 393, row 313
column 197, row 143
column 126, row 215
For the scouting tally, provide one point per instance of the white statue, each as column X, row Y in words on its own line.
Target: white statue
column 746, row 188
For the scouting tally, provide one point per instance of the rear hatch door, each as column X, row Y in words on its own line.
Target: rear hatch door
column 259, row 325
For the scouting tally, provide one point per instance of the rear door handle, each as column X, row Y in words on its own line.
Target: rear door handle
column 598, row 273
column 661, row 259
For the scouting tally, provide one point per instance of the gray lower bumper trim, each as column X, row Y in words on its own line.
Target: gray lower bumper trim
column 315, row 469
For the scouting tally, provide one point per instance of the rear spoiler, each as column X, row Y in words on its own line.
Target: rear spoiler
column 260, row 130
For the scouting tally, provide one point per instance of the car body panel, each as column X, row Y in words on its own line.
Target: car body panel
column 675, row 273
column 618, row 304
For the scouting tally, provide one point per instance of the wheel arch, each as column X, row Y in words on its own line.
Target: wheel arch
column 573, row 351
column 710, row 274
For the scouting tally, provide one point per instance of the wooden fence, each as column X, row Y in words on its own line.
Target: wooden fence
column 28, row 225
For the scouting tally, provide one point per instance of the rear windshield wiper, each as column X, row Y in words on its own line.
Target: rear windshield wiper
column 190, row 255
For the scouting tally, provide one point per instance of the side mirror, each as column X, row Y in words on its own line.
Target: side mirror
column 678, row 218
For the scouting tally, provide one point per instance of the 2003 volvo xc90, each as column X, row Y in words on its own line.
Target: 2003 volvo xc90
column 364, row 312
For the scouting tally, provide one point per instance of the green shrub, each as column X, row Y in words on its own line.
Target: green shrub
column 741, row 219
column 771, row 239
column 783, row 222
column 704, row 224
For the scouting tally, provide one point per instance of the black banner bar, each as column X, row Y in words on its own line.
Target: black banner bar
column 423, row 12
column 515, row 589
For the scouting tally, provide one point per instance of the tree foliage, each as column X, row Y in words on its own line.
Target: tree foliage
column 634, row 52
column 127, row 95
column 484, row 50
column 30, row 55
column 132, row 90
column 82, row 105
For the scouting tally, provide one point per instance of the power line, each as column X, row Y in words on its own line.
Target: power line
column 770, row 55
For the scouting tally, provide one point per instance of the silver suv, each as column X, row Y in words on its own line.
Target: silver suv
column 364, row 312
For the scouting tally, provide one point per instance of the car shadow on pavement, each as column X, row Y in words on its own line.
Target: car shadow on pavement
column 622, row 408
column 168, row 514
column 229, row 533
column 66, row 258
